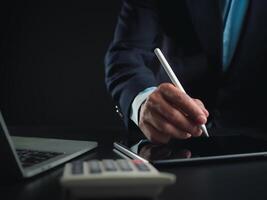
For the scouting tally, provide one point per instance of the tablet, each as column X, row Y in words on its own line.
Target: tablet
column 194, row 149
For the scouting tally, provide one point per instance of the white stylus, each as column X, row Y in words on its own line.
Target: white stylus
column 174, row 79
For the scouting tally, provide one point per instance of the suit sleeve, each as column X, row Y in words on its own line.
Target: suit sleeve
column 130, row 56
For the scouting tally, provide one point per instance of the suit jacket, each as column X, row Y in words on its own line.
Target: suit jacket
column 190, row 35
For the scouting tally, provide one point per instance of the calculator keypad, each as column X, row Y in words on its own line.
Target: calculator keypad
column 122, row 178
column 94, row 167
column 77, row 167
column 109, row 166
column 141, row 166
column 124, row 165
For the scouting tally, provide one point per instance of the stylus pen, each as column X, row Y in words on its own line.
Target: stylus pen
column 124, row 151
column 174, row 79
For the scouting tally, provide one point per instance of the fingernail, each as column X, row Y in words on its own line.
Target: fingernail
column 199, row 131
column 188, row 135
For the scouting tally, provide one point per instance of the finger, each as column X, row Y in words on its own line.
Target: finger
column 165, row 127
column 198, row 102
column 182, row 101
column 154, row 135
column 185, row 153
column 157, row 106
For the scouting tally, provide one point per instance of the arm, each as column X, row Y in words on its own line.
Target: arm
column 167, row 112
column 128, row 59
column 138, row 101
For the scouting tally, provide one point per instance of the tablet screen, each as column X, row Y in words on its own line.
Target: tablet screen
column 194, row 149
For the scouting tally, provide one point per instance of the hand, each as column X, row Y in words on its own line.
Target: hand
column 153, row 152
column 170, row 113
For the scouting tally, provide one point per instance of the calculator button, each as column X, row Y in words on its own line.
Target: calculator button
column 109, row 165
column 140, row 165
column 124, row 165
column 77, row 167
column 94, row 167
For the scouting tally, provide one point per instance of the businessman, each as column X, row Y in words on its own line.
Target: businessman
column 218, row 50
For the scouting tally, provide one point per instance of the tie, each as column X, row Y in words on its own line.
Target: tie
column 224, row 8
column 233, row 13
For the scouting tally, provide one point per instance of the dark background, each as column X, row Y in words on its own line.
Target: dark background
column 52, row 63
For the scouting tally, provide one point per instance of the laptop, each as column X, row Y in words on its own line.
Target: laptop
column 24, row 157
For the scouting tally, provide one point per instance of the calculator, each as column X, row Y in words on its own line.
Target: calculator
column 114, row 178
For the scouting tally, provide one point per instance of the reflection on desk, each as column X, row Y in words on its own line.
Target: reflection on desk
column 245, row 179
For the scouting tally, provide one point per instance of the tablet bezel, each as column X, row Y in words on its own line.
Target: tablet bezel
column 126, row 152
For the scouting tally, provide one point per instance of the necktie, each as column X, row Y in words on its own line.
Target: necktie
column 233, row 14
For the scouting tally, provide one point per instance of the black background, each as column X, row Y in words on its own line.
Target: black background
column 52, row 63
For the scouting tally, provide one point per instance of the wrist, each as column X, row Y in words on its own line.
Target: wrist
column 137, row 102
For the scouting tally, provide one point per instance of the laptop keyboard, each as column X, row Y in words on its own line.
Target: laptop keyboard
column 29, row 158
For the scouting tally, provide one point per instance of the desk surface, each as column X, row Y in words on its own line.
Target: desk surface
column 224, row 180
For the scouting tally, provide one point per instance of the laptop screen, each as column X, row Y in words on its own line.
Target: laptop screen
column 10, row 167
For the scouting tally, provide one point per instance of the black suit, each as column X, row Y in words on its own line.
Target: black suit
column 190, row 35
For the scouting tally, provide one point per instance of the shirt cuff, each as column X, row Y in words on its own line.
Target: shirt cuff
column 138, row 101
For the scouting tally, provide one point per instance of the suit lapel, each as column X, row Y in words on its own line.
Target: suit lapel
column 208, row 25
